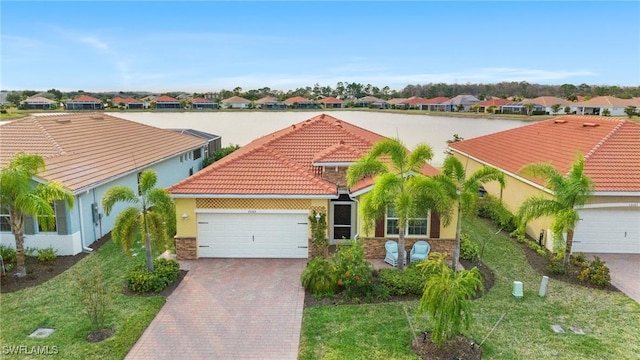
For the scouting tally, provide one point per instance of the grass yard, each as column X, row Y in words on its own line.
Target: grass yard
column 381, row 331
column 55, row 304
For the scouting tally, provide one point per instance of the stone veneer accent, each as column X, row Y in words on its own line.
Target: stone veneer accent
column 374, row 247
column 186, row 248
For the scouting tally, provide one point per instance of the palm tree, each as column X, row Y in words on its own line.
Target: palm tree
column 555, row 108
column 630, row 111
column 153, row 212
column 466, row 191
column 21, row 197
column 529, row 107
column 569, row 192
column 398, row 184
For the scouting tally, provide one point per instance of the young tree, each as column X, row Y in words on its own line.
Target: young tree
column 492, row 109
column 398, row 183
column 20, row 195
column 529, row 107
column 630, row 111
column 567, row 109
column 569, row 192
column 466, row 190
column 152, row 212
column 555, row 108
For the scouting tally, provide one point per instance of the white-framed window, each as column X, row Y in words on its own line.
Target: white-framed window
column 415, row 226
column 5, row 219
column 197, row 154
column 42, row 220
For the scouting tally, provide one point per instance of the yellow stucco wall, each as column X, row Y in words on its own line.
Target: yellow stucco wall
column 188, row 227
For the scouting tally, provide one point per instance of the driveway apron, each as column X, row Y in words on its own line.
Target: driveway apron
column 625, row 271
column 229, row 309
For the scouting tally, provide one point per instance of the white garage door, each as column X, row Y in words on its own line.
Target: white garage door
column 255, row 234
column 608, row 230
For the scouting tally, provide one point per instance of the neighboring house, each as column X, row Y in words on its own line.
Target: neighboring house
column 3, row 97
column 434, row 103
column 256, row 201
column 235, row 102
column 330, row 102
column 270, row 103
column 417, row 103
column 166, row 102
column 202, row 104
column 398, row 103
column 548, row 101
column 518, row 107
column 147, row 100
column 84, row 102
column 464, row 101
column 299, row 102
column 610, row 221
column 90, row 153
column 128, row 102
column 483, row 106
column 39, row 102
column 372, row 102
column 597, row 105
column 214, row 142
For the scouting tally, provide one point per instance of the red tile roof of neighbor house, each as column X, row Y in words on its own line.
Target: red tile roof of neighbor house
column 607, row 101
column 437, row 100
column 236, row 99
column 417, row 100
column 38, row 99
column 165, row 98
column 127, row 100
column 85, row 98
column 493, row 102
column 281, row 163
column 611, row 148
column 330, row 100
column 266, row 99
column 548, row 101
column 397, row 101
column 296, row 99
column 81, row 150
column 200, row 100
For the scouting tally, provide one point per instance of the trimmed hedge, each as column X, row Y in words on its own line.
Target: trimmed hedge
column 141, row 280
column 410, row 281
column 490, row 207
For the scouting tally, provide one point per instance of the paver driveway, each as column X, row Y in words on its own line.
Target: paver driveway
column 624, row 270
column 229, row 309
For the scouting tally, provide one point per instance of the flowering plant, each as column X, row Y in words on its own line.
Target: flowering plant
column 354, row 272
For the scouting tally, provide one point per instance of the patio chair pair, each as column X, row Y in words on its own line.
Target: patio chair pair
column 419, row 252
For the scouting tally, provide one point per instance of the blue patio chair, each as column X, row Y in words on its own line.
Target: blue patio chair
column 419, row 251
column 392, row 253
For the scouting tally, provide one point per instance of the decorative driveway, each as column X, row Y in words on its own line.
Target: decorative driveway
column 229, row 309
column 625, row 272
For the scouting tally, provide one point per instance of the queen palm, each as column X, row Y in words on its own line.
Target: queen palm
column 398, row 183
column 569, row 193
column 20, row 197
column 465, row 190
column 152, row 212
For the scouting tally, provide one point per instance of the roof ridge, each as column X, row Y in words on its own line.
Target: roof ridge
column 604, row 139
column 296, row 167
column 48, row 136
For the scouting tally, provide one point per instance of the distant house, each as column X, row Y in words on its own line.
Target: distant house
column 166, row 102
column 214, row 142
column 128, row 102
column 270, row 103
column 548, row 101
column 398, row 103
column 39, row 102
column 202, row 103
column 484, row 106
column 519, row 107
column 417, row 103
column 372, row 102
column 88, row 153
column 459, row 103
column 330, row 102
column 434, row 103
column 84, row 102
column 299, row 102
column 235, row 102
column 597, row 105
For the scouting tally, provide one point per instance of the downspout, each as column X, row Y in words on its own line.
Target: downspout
column 357, row 235
column 84, row 247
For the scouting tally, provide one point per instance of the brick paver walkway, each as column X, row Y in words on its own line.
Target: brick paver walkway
column 229, row 309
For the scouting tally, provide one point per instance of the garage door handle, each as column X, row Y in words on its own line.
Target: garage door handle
column 303, row 247
column 203, row 246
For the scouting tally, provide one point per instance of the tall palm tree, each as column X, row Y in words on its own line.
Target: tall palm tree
column 20, row 196
column 152, row 212
column 569, row 192
column 398, row 183
column 529, row 107
column 466, row 190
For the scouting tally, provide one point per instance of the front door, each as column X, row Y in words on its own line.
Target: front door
column 343, row 220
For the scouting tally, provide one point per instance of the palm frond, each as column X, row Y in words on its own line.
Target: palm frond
column 544, row 171
column 157, row 230
column 147, row 181
column 365, row 167
column 420, row 155
column 53, row 191
column 395, row 149
column 127, row 226
column 453, row 168
column 117, row 194
column 535, row 207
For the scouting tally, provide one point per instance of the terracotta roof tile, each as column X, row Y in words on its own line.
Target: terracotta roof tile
column 549, row 101
column 281, row 162
column 417, row 101
column 85, row 98
column 81, row 150
column 339, row 153
column 437, row 100
column 38, row 99
column 266, row 99
column 297, row 99
column 493, row 102
column 330, row 100
column 606, row 101
column 202, row 101
column 611, row 148
column 397, row 101
column 236, row 99
column 127, row 100
column 165, row 99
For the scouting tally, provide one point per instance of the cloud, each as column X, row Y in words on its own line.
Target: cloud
column 95, row 42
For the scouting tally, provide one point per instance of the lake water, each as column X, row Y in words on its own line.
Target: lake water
column 242, row 127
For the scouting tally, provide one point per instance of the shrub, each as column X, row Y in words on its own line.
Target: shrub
column 469, row 250
column 556, row 265
column 579, row 260
column 95, row 296
column 596, row 273
column 354, row 272
column 30, row 251
column 320, row 278
column 8, row 254
column 47, row 255
column 490, row 207
column 141, row 280
column 410, row 281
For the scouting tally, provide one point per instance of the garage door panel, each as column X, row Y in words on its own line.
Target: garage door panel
column 253, row 235
column 608, row 230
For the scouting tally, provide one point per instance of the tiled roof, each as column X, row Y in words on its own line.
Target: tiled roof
column 81, row 150
column 397, row 101
column 607, row 101
column 297, row 99
column 236, row 99
column 549, row 101
column 330, row 100
column 493, row 102
column 266, row 99
column 202, row 101
column 165, row 99
column 85, row 98
column 611, row 148
column 462, row 100
column 339, row 153
column 38, row 99
column 371, row 99
column 437, row 100
column 280, row 163
column 417, row 101
column 127, row 100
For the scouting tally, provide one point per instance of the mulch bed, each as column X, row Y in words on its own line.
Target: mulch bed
column 456, row 348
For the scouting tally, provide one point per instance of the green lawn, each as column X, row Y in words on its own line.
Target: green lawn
column 381, row 331
column 56, row 304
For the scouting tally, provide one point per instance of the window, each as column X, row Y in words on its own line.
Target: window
column 197, row 153
column 415, row 226
column 48, row 223
column 139, row 188
column 5, row 219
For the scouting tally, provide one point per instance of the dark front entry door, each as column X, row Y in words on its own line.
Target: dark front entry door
column 342, row 227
